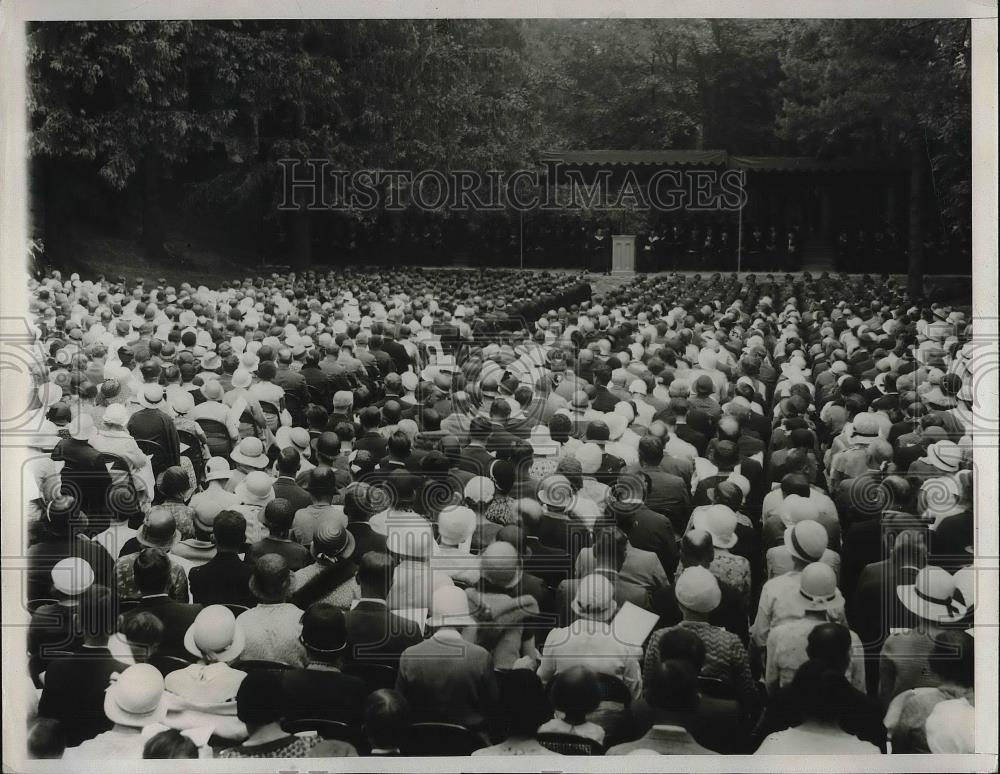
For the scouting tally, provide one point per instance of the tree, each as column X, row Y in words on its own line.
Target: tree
column 884, row 89
column 118, row 95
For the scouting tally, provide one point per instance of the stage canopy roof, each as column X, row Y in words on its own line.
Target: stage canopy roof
column 716, row 158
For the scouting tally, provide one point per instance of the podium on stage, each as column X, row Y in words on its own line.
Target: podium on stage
column 623, row 254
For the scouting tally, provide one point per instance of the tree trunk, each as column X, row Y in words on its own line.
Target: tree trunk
column 915, row 267
column 153, row 229
column 300, row 238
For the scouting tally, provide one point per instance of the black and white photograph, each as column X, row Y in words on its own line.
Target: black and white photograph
column 455, row 384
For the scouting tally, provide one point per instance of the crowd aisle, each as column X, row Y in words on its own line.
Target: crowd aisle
column 442, row 512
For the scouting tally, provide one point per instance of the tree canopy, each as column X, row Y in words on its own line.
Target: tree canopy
column 132, row 104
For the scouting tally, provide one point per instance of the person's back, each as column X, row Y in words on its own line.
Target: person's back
column 448, row 678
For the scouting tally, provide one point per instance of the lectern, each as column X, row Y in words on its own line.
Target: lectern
column 623, row 254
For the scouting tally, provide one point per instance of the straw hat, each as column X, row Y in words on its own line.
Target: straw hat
column 945, row 455
column 595, row 598
column 806, row 540
column 217, row 469
column 932, row 596
column 151, row 396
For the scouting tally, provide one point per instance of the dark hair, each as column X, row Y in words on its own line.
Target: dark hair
column 576, row 693
column 399, row 444
column 258, row 700
column 142, row 628
column 344, row 431
column 289, row 461
column 170, row 744
column 560, row 428
column 523, row 704
column 316, row 417
column 953, row 658
column 46, row 739
column 386, row 718
column 673, row 685
column 818, row 691
column 610, row 547
column 152, row 571
column 830, row 643
column 375, row 573
column 650, row 450
column 682, row 645
column 230, row 529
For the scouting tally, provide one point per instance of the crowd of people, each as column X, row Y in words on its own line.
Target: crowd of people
column 427, row 512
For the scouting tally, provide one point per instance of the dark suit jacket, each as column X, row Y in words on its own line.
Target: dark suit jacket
column 74, row 693
column 83, row 469
column 323, row 694
column 222, row 580
column 373, row 442
column 175, row 616
column 564, row 533
column 698, row 440
column 377, row 635
column 154, row 425
column 295, row 554
column 951, row 539
column 655, row 532
column 366, row 539
column 476, row 460
column 669, row 496
column 50, row 550
column 286, row 488
column 448, row 680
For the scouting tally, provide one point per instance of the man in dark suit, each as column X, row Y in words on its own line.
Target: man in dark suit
column 225, row 578
column 475, row 457
column 278, row 516
column 150, row 423
column 377, row 635
column 152, row 576
column 646, row 529
column 666, row 493
column 83, row 470
column 321, row 690
column 370, row 439
column 75, row 685
column 604, row 400
column 395, row 350
column 285, row 487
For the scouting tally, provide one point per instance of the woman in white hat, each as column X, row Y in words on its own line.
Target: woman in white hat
column 591, row 640
column 206, row 690
column 903, row 663
column 254, row 493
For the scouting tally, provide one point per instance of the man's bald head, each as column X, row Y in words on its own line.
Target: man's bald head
column 696, row 548
column 831, row 643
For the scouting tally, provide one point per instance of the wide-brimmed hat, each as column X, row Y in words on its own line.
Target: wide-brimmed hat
column 250, row 452
column 818, row 587
column 720, row 522
column 215, row 634
column 72, row 576
column 136, row 697
column 152, row 396
column 450, row 607
column 256, row 489
column 932, row 596
column 944, row 455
